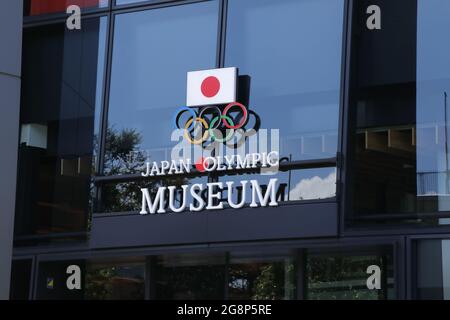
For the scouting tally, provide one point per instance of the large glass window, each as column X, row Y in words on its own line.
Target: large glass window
column 190, row 277
column 99, row 279
column 61, row 99
column 20, row 279
column 153, row 51
column 294, row 67
column 344, row 276
column 289, row 81
column 400, row 85
column 115, row 280
column 52, row 279
column 265, row 273
column 261, row 276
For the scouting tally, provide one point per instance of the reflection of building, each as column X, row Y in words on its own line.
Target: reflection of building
column 360, row 113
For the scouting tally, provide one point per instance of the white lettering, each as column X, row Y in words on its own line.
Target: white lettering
column 147, row 201
column 270, row 194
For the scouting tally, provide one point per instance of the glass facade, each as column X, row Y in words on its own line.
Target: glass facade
column 60, row 116
column 283, row 74
column 400, row 118
column 360, row 115
column 258, row 274
column 140, row 79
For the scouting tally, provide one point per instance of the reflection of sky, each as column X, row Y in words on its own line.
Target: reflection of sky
column 433, row 79
column 294, row 63
column 308, row 184
column 153, row 51
column 291, row 67
column 119, row 2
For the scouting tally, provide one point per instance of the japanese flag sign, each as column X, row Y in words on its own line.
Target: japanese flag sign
column 214, row 86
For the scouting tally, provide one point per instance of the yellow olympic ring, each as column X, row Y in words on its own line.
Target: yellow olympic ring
column 187, row 135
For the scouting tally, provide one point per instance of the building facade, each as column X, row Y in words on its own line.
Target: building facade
column 351, row 94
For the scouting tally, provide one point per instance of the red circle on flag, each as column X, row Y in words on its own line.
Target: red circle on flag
column 210, row 87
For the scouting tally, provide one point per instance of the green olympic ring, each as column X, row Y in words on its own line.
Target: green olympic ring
column 211, row 129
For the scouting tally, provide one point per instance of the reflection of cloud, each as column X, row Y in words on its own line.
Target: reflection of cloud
column 314, row 188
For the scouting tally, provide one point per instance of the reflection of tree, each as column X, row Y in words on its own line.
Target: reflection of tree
column 345, row 278
column 122, row 156
column 274, row 281
column 120, row 145
column 109, row 283
column 262, row 281
column 97, row 281
column 188, row 283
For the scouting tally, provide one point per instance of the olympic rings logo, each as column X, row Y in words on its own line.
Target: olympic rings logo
column 213, row 124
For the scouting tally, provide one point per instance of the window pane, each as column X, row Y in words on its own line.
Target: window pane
column 344, row 277
column 293, row 185
column 190, row 277
column 433, row 87
column 433, row 270
column 402, row 79
column 294, row 65
column 153, row 51
column 262, row 276
column 61, row 99
column 20, row 279
column 40, row 7
column 115, row 280
column 52, row 280
column 112, row 279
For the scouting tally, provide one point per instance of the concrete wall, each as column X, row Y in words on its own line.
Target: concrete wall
column 10, row 60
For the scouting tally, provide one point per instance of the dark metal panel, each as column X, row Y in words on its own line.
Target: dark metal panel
column 346, row 118
column 302, row 221
column 289, row 221
column 138, row 230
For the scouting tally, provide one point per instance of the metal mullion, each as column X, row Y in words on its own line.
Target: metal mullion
column 103, row 128
column 31, row 21
column 227, row 276
column 149, row 278
column 32, row 278
column 301, row 274
column 411, row 269
column 345, row 119
column 35, row 278
column 403, row 216
column 222, row 31
column 143, row 6
column 401, row 264
column 57, row 20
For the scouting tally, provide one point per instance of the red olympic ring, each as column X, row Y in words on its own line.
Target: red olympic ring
column 244, row 118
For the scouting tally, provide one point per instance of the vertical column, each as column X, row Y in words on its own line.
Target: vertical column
column 11, row 12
